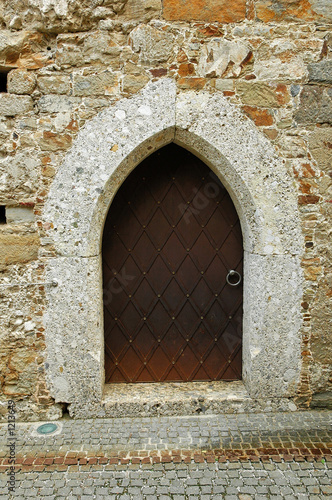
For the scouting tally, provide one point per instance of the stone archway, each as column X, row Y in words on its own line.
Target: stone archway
column 105, row 151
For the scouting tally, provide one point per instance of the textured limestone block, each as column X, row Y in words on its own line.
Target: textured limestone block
column 272, row 323
column 19, row 175
column 54, row 84
column 142, row 10
column 321, row 72
column 154, row 46
column 315, row 105
column 263, row 94
column 52, row 141
column 218, row 55
column 81, row 340
column 21, row 82
column 82, row 48
column 95, row 84
column 23, row 49
column 17, row 215
column 11, row 105
column 133, row 83
column 57, row 104
column 18, row 248
column 261, row 117
column 205, row 10
column 285, row 10
column 320, row 145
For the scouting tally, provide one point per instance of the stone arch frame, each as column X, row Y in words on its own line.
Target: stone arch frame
column 105, row 151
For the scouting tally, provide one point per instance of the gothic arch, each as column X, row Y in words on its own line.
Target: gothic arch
column 105, row 151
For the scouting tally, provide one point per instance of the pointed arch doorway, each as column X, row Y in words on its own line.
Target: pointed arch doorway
column 171, row 238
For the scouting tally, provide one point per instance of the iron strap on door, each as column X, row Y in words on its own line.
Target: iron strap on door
column 171, row 238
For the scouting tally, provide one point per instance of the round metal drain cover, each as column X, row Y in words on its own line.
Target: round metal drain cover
column 47, row 428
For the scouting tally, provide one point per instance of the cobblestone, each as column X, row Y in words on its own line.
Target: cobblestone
column 97, row 459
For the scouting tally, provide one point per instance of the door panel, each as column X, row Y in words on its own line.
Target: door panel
column 171, row 236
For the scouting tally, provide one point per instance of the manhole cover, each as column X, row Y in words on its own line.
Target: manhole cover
column 47, row 428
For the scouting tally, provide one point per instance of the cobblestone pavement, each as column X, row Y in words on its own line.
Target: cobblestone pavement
column 230, row 481
column 239, row 456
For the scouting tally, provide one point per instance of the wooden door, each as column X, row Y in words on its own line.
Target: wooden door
column 171, row 237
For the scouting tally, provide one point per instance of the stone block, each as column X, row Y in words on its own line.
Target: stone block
column 320, row 145
column 205, row 10
column 16, row 248
column 57, row 104
column 94, row 84
column 322, row 400
column 261, row 117
column 23, row 49
column 295, row 10
column 262, row 94
column 315, row 105
column 52, row 141
column 154, row 46
column 21, row 82
column 54, row 84
column 218, row 55
column 17, row 215
column 133, row 83
column 321, row 72
column 142, row 10
column 11, row 105
column 19, row 175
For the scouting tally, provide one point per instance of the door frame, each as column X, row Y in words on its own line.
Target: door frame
column 104, row 152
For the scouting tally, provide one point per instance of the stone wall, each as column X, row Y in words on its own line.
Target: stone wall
column 65, row 61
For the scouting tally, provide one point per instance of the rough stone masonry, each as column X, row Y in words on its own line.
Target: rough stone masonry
column 65, row 63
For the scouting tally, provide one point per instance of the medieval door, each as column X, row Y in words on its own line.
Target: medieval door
column 172, row 267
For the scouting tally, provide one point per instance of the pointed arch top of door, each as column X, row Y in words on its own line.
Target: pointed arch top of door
column 104, row 152
column 113, row 143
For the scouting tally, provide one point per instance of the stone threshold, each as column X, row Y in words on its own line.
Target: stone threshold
column 185, row 398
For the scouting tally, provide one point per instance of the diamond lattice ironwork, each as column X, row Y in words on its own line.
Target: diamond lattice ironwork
column 170, row 238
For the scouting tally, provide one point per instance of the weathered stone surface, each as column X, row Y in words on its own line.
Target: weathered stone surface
column 219, row 56
column 266, row 335
column 58, row 104
column 80, row 49
column 18, row 215
column 23, row 49
column 54, row 84
column 262, row 94
column 74, row 15
column 322, row 400
column 18, row 247
column 320, row 144
column 103, row 83
column 321, row 72
column 141, row 10
column 261, row 117
column 315, row 105
column 279, row 59
column 52, row 141
column 11, row 105
column 21, row 82
column 21, row 173
column 204, row 10
column 154, row 46
column 295, row 10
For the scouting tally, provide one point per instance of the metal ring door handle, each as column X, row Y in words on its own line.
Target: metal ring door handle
column 233, row 273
